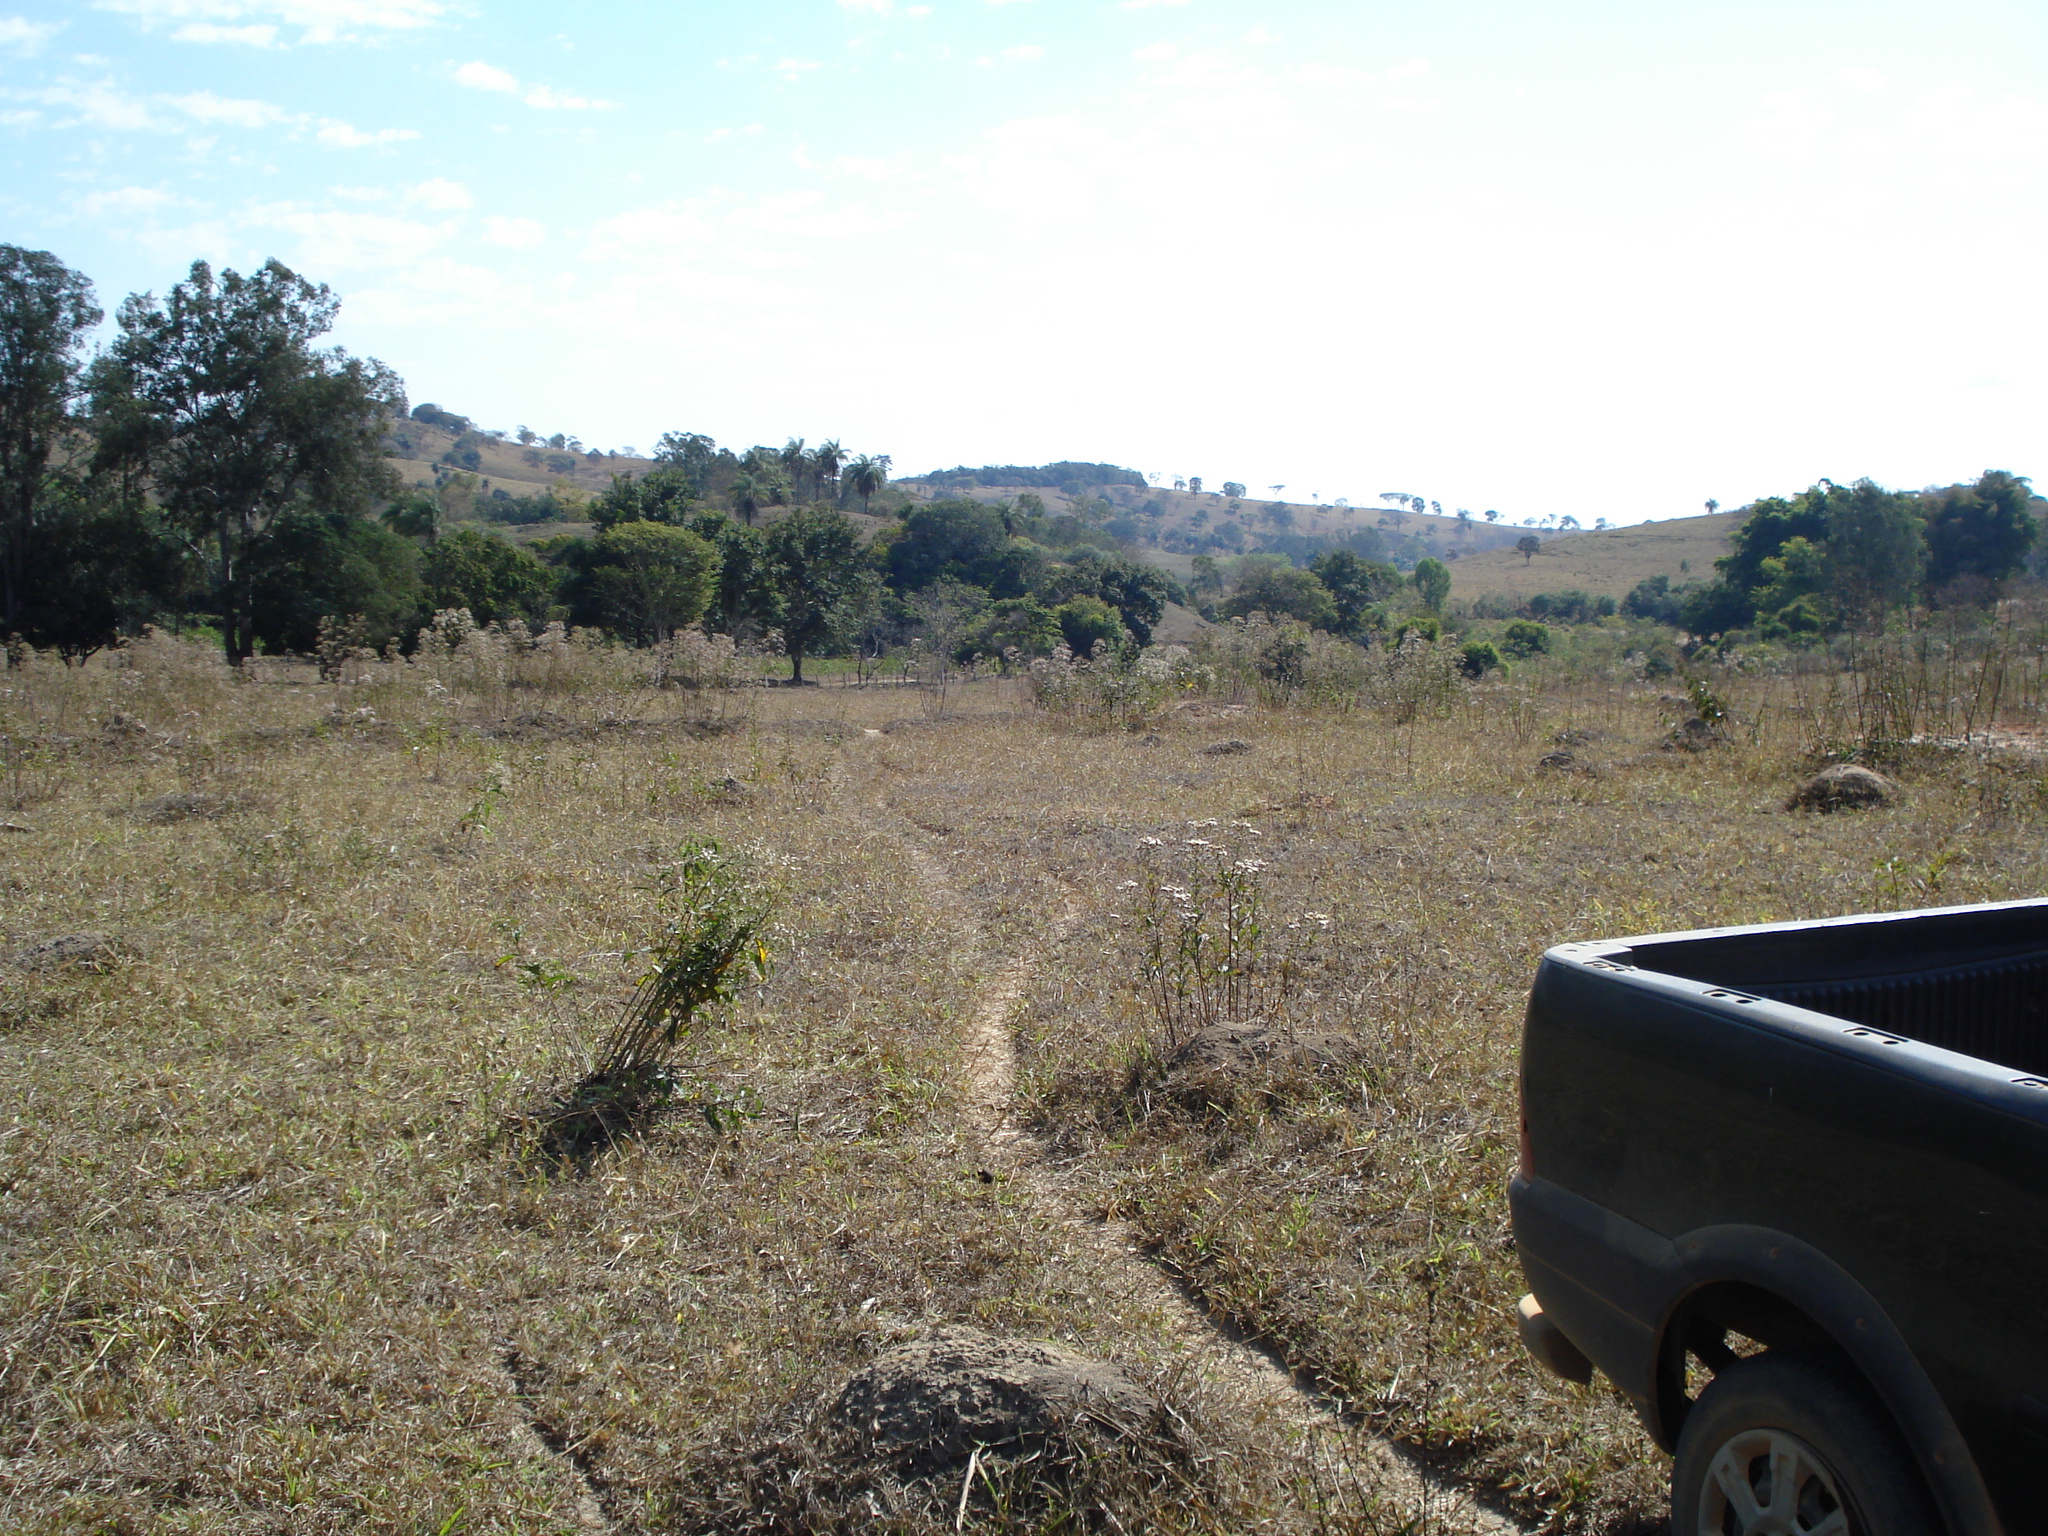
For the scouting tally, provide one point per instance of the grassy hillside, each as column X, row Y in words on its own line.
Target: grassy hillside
column 1605, row 563
column 1164, row 523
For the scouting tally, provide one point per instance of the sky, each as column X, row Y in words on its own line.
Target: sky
column 1606, row 257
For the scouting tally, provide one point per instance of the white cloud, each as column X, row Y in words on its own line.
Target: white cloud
column 440, row 193
column 1146, row 5
column 205, row 107
column 129, row 202
column 1025, row 53
column 1156, row 53
column 336, row 134
column 548, row 100
column 317, row 21
column 103, row 105
column 1862, row 79
column 333, row 239
column 517, row 234
column 479, row 76
column 873, row 7
column 23, row 35
column 99, row 105
column 210, row 32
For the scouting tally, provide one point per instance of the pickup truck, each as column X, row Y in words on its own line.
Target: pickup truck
column 1787, row 1188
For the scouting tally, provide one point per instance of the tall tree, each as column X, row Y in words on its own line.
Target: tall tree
column 825, row 461
column 220, row 397
column 1432, row 583
column 865, row 476
column 45, row 311
column 1875, row 549
column 796, row 464
column 1982, row 530
column 812, row 563
column 651, row 579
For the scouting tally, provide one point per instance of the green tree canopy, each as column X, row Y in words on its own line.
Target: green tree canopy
column 812, row 565
column 1086, row 622
column 649, row 579
column 1278, row 590
column 46, row 310
column 494, row 580
column 312, row 565
column 665, row 494
column 1357, row 587
column 1432, row 583
column 1981, row 531
column 220, row 398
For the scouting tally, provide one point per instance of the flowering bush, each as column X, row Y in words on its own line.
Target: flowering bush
column 1209, row 955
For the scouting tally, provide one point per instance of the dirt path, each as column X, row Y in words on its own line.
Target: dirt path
column 1256, row 1390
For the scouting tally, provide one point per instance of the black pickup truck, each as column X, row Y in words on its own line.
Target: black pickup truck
column 1787, row 1187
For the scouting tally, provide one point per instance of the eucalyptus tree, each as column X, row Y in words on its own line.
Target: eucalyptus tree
column 46, row 309
column 220, row 399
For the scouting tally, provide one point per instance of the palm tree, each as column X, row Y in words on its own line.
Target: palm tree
column 825, row 461
column 747, row 497
column 795, row 462
column 866, row 475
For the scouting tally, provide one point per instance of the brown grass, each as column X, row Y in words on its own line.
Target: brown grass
column 1607, row 563
column 272, row 1264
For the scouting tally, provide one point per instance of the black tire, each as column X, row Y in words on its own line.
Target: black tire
column 1852, row 1474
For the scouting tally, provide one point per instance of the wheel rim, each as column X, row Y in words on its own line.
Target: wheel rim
column 1765, row 1482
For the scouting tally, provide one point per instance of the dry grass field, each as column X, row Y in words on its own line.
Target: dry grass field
column 278, row 1258
column 1607, row 563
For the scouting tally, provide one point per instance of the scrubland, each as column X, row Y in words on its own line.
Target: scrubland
column 276, row 1260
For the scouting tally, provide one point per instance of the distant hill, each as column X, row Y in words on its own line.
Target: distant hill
column 1607, row 563
column 1169, row 527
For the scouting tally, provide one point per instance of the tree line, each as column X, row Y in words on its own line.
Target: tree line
column 1838, row 557
column 215, row 465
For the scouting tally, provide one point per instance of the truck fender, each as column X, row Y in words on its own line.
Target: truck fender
column 1780, row 1291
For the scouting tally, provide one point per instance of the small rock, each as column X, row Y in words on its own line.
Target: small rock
column 1230, row 748
column 1843, row 787
column 931, row 1402
column 1574, row 737
column 91, row 950
column 1563, row 762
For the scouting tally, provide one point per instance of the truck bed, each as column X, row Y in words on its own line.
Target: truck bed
column 1967, row 980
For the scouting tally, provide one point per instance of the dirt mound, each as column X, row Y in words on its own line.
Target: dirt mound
column 1225, row 1048
column 948, row 1428
column 1694, row 735
column 185, row 805
column 90, row 950
column 926, row 1406
column 1843, row 787
column 1217, row 1068
column 1229, row 748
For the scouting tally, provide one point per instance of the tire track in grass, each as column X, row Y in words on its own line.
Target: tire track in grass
column 1259, row 1386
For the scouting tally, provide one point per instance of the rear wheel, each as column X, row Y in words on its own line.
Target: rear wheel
column 1786, row 1445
